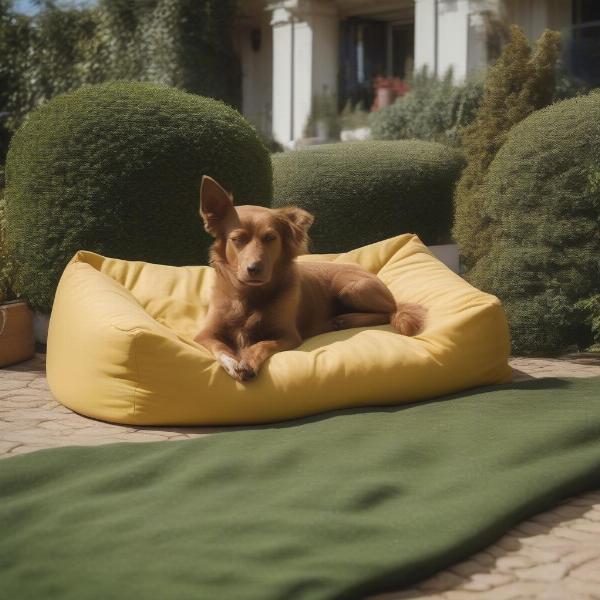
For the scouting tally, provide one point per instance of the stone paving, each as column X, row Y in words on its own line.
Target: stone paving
column 554, row 556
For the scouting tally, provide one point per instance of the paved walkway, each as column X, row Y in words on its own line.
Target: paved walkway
column 555, row 556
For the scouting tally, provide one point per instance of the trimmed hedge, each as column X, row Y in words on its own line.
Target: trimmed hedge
column 543, row 202
column 363, row 192
column 116, row 168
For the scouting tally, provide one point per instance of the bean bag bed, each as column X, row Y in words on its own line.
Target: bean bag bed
column 121, row 349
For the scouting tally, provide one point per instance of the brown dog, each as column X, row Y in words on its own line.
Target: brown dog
column 265, row 302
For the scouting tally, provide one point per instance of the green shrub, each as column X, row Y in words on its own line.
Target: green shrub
column 363, row 192
column 184, row 43
column 354, row 117
column 5, row 264
column 542, row 200
column 434, row 109
column 515, row 86
column 115, row 168
column 591, row 309
column 323, row 118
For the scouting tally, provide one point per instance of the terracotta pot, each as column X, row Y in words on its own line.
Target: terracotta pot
column 16, row 333
column 385, row 97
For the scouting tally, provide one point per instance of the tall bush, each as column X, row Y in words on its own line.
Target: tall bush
column 542, row 199
column 5, row 263
column 517, row 85
column 183, row 43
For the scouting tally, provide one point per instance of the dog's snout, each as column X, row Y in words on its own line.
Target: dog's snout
column 254, row 268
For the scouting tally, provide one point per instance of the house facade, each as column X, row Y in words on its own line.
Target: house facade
column 294, row 50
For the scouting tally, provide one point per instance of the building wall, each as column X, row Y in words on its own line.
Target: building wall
column 325, row 54
column 559, row 14
column 278, row 88
column 282, row 86
column 536, row 15
column 453, row 36
column 257, row 71
column 460, row 30
column 304, row 38
column 425, row 46
column 305, row 62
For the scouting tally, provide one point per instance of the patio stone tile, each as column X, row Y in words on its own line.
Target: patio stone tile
column 441, row 582
column 589, row 571
column 587, row 526
column 8, row 384
column 586, row 589
column 580, row 557
column 482, row 582
column 512, row 562
column 458, row 595
column 549, row 572
column 570, row 533
column 468, row 568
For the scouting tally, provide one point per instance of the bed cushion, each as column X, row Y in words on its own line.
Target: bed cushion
column 121, row 349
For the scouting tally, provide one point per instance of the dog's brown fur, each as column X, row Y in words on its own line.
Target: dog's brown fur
column 265, row 302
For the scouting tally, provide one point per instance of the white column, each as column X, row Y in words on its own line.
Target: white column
column 253, row 41
column 282, row 75
column 425, row 34
column 451, row 34
column 305, row 61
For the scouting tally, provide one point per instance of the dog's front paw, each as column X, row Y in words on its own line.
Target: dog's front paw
column 245, row 371
column 228, row 363
column 239, row 370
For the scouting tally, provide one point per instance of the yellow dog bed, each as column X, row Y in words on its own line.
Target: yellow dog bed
column 121, row 349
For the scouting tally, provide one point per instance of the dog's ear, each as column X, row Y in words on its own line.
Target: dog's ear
column 215, row 204
column 297, row 222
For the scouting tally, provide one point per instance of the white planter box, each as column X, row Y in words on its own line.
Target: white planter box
column 448, row 254
column 355, row 135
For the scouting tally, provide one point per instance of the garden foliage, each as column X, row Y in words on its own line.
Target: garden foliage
column 434, row 109
column 362, row 192
column 354, row 117
column 517, row 85
column 541, row 198
column 182, row 43
column 115, row 168
column 5, row 262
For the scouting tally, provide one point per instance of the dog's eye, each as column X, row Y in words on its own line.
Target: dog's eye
column 238, row 240
column 269, row 237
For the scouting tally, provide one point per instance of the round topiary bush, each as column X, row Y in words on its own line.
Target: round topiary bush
column 363, row 192
column 116, row 168
column 543, row 203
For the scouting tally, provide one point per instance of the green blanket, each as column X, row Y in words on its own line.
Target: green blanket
column 339, row 506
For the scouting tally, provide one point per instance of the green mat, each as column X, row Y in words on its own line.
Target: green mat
column 340, row 506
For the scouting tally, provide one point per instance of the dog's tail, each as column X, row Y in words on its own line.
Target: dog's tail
column 409, row 319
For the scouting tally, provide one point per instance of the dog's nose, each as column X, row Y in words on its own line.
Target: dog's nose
column 254, row 268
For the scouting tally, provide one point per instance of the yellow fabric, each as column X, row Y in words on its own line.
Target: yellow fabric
column 121, row 349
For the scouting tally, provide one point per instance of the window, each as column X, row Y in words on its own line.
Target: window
column 582, row 50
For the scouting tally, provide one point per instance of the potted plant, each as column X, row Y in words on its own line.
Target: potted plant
column 323, row 121
column 387, row 89
column 16, row 319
